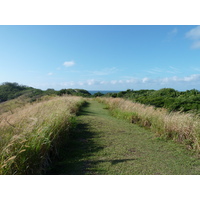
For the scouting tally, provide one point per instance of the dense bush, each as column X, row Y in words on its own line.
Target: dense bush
column 11, row 90
column 98, row 94
column 168, row 98
column 74, row 92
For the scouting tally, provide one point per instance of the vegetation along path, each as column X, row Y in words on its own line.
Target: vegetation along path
column 102, row 144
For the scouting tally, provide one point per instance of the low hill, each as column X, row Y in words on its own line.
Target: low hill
column 9, row 91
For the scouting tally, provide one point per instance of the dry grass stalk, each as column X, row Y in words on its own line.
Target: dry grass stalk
column 28, row 133
column 181, row 127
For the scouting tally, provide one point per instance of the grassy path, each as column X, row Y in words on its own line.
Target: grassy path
column 102, row 144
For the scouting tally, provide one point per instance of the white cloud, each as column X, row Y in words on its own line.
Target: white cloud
column 194, row 34
column 175, row 79
column 193, row 77
column 145, row 80
column 113, row 82
column 180, row 83
column 69, row 63
column 103, row 82
column 131, row 80
column 92, row 82
column 50, row 74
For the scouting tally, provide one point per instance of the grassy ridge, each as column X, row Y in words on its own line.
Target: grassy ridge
column 180, row 127
column 9, row 91
column 31, row 135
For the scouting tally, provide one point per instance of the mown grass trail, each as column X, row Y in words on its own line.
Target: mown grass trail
column 102, row 144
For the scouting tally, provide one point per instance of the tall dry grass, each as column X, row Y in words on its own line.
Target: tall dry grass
column 30, row 135
column 181, row 127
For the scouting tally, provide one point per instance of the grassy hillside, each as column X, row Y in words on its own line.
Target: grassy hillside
column 9, row 91
column 30, row 135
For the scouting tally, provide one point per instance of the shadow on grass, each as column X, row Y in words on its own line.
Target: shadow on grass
column 84, row 110
column 74, row 155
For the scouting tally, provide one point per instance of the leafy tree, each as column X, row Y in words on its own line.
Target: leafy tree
column 11, row 90
column 98, row 94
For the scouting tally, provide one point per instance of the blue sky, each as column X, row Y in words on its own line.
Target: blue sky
column 101, row 57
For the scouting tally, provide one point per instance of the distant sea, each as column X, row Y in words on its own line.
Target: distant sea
column 102, row 91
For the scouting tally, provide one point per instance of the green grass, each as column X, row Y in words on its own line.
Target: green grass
column 102, row 144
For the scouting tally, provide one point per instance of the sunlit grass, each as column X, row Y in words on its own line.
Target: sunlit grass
column 180, row 127
column 30, row 135
column 104, row 145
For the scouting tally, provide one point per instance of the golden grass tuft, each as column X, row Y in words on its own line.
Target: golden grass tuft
column 29, row 134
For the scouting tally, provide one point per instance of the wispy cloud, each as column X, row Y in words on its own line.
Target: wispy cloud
column 173, row 32
column 194, row 34
column 168, row 70
column 133, row 82
column 194, row 78
column 69, row 63
column 196, row 45
column 173, row 70
column 196, row 69
column 104, row 72
column 91, row 82
column 50, row 74
column 155, row 70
